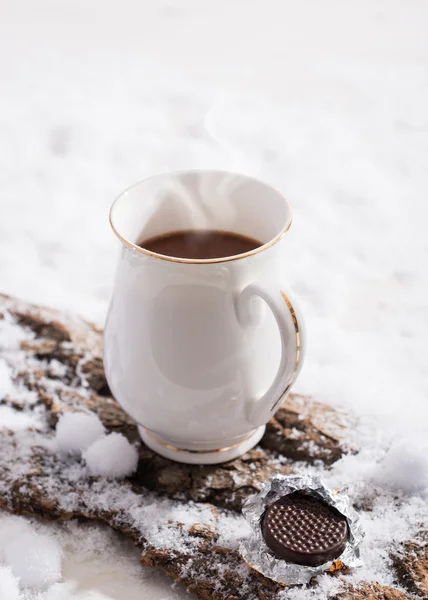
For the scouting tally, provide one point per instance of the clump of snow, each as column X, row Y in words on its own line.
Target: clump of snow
column 6, row 385
column 404, row 468
column 9, row 585
column 112, row 456
column 75, row 432
column 35, row 559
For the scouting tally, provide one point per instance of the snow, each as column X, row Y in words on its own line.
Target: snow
column 76, row 431
column 9, row 585
column 98, row 564
column 327, row 588
column 404, row 468
column 111, row 456
column 10, row 337
column 5, row 379
column 57, row 369
column 11, row 419
column 34, row 559
column 325, row 100
column 235, row 530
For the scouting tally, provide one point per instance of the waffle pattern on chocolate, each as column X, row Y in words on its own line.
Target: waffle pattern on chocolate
column 304, row 530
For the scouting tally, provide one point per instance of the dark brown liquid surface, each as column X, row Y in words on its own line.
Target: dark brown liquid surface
column 200, row 244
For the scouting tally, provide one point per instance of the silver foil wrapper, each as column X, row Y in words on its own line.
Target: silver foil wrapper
column 259, row 557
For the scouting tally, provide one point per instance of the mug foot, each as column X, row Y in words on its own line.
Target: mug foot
column 200, row 457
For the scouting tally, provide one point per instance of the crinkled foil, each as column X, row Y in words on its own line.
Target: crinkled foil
column 255, row 551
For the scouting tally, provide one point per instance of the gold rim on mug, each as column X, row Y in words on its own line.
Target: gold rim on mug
column 296, row 364
column 202, row 261
column 175, row 449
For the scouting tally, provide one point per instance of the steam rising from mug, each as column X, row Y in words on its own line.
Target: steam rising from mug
column 192, row 209
column 199, row 200
column 230, row 123
column 196, row 209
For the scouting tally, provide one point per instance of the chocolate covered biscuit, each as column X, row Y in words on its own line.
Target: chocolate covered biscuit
column 304, row 530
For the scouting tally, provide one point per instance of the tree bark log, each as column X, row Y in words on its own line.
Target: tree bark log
column 58, row 367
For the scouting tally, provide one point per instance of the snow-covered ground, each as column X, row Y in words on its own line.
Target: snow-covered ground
column 326, row 100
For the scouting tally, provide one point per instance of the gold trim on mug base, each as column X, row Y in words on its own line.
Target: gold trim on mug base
column 186, row 455
column 175, row 449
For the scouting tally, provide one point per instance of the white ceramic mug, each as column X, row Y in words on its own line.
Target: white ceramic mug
column 200, row 353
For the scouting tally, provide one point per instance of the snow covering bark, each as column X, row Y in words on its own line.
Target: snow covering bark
column 185, row 519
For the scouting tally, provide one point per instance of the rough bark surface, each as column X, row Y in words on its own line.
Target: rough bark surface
column 411, row 564
column 58, row 367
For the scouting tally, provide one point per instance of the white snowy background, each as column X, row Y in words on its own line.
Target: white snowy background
column 326, row 100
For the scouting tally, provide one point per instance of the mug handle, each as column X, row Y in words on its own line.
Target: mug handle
column 292, row 347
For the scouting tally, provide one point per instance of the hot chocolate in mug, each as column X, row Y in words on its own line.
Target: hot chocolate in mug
column 201, row 352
